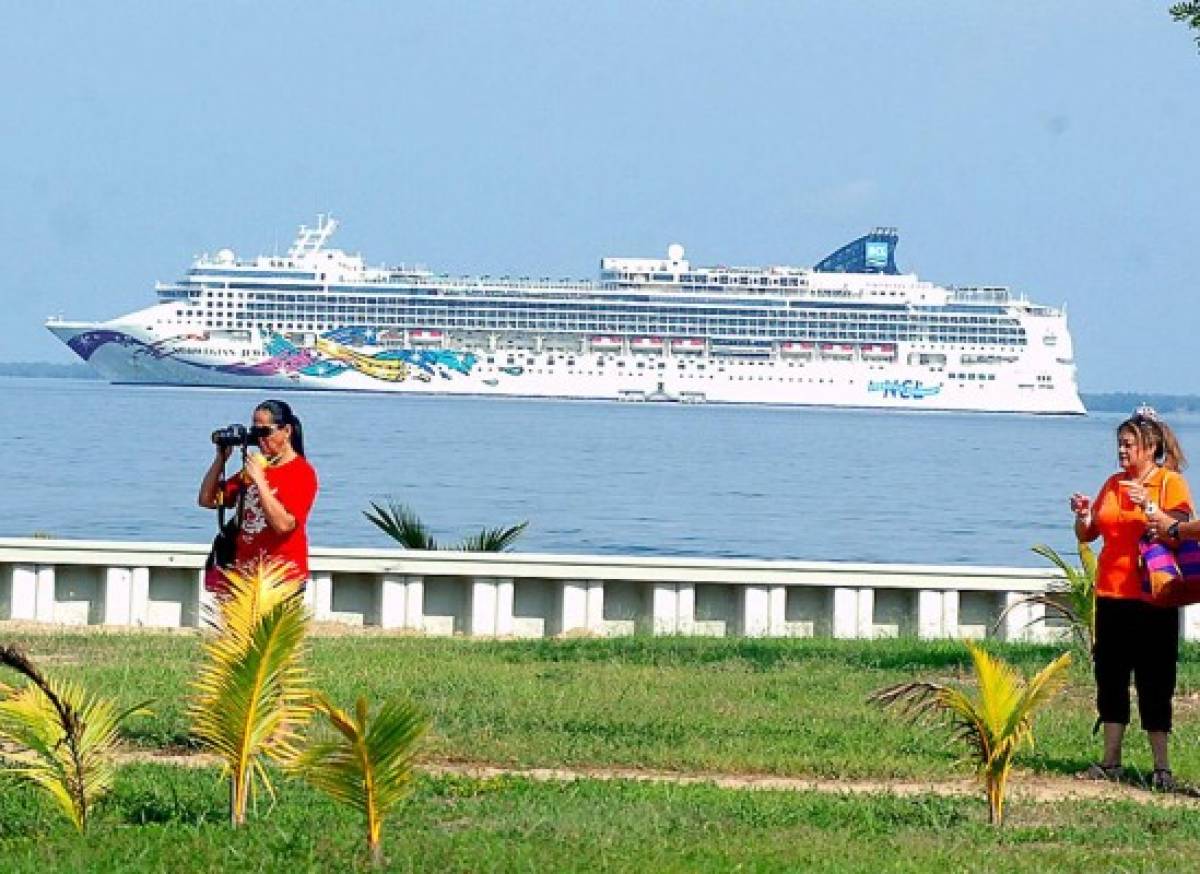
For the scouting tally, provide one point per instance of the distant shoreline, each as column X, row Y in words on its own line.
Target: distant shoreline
column 41, row 370
column 1096, row 402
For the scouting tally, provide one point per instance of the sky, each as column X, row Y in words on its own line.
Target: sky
column 1050, row 147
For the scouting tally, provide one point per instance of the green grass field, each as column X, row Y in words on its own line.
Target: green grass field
column 173, row 819
column 794, row 707
column 784, row 707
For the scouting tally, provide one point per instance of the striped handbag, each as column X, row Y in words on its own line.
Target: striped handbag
column 1162, row 578
column 1170, row 577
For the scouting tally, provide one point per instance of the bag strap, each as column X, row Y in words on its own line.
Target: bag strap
column 238, row 506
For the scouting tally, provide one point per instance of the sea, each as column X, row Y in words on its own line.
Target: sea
column 84, row 459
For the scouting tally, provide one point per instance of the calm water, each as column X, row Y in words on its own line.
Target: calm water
column 88, row 460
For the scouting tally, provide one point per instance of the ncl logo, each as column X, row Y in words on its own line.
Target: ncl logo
column 906, row 389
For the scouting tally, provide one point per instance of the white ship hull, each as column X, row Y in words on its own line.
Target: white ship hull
column 853, row 331
column 131, row 358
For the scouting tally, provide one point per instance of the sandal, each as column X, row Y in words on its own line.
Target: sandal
column 1097, row 771
column 1162, row 780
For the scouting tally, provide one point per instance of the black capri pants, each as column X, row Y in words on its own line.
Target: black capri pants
column 1138, row 638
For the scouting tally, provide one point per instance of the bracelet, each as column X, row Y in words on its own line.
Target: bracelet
column 1173, row 530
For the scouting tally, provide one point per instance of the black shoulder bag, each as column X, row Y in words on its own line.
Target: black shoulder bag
column 224, row 546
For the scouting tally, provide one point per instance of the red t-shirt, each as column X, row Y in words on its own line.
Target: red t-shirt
column 295, row 485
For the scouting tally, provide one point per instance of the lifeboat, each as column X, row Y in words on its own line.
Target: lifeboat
column 646, row 344
column 837, row 350
column 687, row 345
column 796, row 350
column 605, row 342
column 879, row 351
column 425, row 336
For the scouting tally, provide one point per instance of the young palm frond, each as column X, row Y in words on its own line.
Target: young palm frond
column 994, row 723
column 253, row 692
column 260, row 588
column 63, row 736
column 401, row 524
column 1073, row 599
column 493, row 539
column 369, row 767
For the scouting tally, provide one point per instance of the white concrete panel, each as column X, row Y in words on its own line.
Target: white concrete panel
column 483, row 607
column 139, row 595
column 392, row 601
column 664, row 605
column 44, row 611
column 1189, row 622
column 505, row 598
column 756, row 611
column 118, row 587
column 573, row 613
column 685, row 608
column 950, row 603
column 777, row 611
column 1021, row 621
column 845, row 613
column 929, row 615
column 595, row 606
column 866, row 626
column 321, row 586
column 414, row 598
column 23, row 590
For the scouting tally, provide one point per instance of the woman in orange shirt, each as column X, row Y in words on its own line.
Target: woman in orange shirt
column 1133, row 636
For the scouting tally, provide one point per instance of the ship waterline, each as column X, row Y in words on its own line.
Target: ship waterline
column 851, row 332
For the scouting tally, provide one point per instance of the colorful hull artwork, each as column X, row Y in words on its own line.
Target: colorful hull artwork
column 330, row 357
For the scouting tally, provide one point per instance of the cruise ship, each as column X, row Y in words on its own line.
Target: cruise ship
column 852, row 331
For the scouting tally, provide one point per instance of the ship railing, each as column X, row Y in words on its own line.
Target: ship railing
column 983, row 294
column 159, row 585
column 175, row 291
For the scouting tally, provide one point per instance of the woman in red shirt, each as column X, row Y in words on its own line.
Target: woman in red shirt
column 1133, row 636
column 276, row 496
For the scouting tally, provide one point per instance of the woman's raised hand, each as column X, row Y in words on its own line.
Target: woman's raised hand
column 1157, row 524
column 1135, row 490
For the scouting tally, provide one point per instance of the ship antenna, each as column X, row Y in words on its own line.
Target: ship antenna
column 310, row 240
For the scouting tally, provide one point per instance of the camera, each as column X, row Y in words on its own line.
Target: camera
column 239, row 435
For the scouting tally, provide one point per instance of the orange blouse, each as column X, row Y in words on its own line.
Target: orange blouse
column 1122, row 524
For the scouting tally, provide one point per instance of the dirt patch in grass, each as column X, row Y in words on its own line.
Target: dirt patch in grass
column 1022, row 786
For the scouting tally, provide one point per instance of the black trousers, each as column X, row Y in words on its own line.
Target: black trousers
column 1136, row 638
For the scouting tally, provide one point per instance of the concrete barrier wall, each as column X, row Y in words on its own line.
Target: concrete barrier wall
column 65, row 582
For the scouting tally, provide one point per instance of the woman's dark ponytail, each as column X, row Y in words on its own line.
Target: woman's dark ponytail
column 281, row 414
